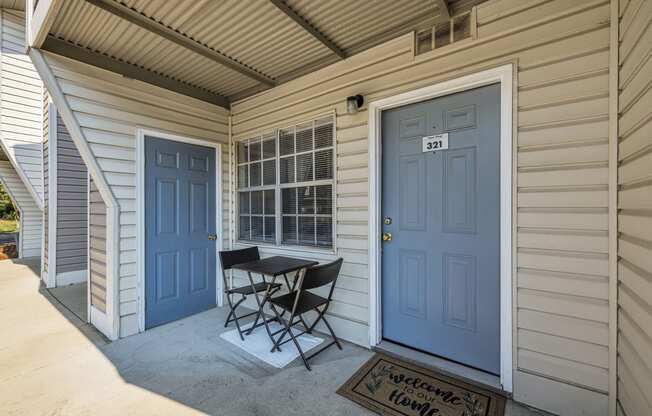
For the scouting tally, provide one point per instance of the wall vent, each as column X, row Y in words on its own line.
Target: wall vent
column 445, row 33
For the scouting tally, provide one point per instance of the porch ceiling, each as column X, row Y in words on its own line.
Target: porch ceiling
column 225, row 50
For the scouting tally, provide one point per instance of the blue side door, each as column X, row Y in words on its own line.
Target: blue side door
column 441, row 270
column 180, row 252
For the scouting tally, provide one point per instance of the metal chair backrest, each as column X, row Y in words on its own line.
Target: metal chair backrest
column 230, row 258
column 322, row 275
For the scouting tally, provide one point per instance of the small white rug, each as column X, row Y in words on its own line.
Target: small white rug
column 259, row 345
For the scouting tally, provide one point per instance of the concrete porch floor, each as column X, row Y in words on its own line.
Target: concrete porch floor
column 52, row 363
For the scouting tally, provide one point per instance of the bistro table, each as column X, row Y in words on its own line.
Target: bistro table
column 273, row 267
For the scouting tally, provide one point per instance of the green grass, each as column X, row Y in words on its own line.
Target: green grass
column 8, row 226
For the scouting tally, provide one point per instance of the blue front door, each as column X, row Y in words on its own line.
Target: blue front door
column 180, row 259
column 441, row 270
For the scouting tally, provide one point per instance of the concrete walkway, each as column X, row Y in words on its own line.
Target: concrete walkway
column 73, row 297
column 52, row 363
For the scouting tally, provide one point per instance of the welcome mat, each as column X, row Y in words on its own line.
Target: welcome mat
column 393, row 387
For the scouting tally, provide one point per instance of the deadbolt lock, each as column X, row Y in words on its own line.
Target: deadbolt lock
column 212, row 237
column 387, row 236
column 387, row 221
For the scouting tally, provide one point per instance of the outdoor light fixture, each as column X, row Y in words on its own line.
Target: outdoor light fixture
column 353, row 103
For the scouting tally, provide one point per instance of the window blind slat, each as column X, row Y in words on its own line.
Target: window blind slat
column 289, row 200
column 269, row 148
column 255, row 151
column 254, row 174
column 306, row 200
column 304, row 167
column 302, row 171
column 324, row 164
column 269, row 172
column 289, row 235
column 286, row 142
column 304, row 138
column 287, row 170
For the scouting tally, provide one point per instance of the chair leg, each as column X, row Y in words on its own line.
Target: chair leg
column 290, row 288
column 235, row 318
column 287, row 282
column 337, row 341
column 277, row 342
column 261, row 304
column 250, row 330
column 308, row 328
column 296, row 344
column 232, row 315
column 288, row 330
column 260, row 310
column 231, row 312
column 321, row 317
column 320, row 314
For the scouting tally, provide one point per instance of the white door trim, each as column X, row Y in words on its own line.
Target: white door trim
column 503, row 75
column 140, row 212
column 53, row 173
column 88, row 247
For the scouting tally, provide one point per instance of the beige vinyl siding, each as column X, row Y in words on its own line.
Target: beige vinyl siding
column 71, row 181
column 97, row 247
column 30, row 213
column 21, row 95
column 109, row 109
column 635, row 209
column 561, row 223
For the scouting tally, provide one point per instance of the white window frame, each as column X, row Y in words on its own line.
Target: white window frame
column 260, row 188
column 278, row 188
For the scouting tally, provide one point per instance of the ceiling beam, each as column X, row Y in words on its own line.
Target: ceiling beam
column 63, row 48
column 298, row 19
column 127, row 13
column 444, row 12
column 426, row 19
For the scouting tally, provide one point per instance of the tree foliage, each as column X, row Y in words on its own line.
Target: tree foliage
column 7, row 209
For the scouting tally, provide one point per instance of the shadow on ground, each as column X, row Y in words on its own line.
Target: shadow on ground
column 185, row 362
column 56, row 363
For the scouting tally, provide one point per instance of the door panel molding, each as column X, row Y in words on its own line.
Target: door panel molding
column 141, row 134
column 465, row 284
column 505, row 76
column 451, row 221
column 412, row 283
column 412, row 216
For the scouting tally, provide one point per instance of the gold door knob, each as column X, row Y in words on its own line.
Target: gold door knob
column 387, row 236
column 212, row 237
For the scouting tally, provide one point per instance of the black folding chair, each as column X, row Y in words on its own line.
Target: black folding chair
column 301, row 301
column 228, row 259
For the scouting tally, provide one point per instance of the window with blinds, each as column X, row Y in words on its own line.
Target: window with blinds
column 286, row 184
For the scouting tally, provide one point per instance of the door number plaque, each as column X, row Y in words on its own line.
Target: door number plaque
column 435, row 143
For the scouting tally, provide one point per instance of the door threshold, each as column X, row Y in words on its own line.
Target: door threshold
column 491, row 381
